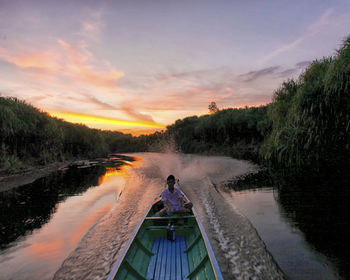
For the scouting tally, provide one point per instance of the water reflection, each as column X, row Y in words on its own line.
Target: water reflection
column 42, row 222
column 28, row 207
column 110, row 173
column 312, row 242
column 321, row 212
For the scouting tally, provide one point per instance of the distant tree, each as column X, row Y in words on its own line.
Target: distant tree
column 213, row 108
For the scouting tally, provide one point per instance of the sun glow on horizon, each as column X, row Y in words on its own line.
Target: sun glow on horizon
column 107, row 123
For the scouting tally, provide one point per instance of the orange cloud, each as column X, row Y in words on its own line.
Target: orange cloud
column 45, row 61
column 76, row 63
column 41, row 60
column 78, row 68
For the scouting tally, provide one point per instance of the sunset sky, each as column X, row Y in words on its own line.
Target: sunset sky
column 139, row 65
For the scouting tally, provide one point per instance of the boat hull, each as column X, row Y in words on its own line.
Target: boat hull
column 149, row 254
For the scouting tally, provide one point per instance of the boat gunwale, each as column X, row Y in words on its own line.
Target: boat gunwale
column 120, row 259
column 212, row 258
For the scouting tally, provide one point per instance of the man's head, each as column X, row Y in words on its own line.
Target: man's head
column 171, row 182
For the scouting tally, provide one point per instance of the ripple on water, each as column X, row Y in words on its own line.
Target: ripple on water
column 240, row 252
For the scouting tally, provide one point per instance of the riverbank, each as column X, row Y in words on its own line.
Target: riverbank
column 29, row 175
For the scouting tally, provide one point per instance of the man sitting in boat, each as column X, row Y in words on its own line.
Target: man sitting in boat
column 173, row 200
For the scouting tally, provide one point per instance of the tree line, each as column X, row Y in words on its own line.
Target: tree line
column 306, row 125
column 234, row 132
column 32, row 137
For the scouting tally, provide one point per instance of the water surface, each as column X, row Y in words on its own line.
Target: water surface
column 74, row 224
column 44, row 221
column 297, row 258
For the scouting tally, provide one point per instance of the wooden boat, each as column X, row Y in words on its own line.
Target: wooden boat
column 150, row 255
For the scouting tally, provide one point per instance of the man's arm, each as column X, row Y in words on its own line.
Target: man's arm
column 166, row 205
column 182, row 202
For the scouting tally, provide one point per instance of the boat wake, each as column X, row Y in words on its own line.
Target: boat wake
column 240, row 252
column 244, row 253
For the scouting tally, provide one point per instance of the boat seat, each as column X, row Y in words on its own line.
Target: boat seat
column 169, row 259
column 169, row 217
column 165, row 227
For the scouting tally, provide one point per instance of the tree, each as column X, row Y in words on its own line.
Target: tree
column 213, row 108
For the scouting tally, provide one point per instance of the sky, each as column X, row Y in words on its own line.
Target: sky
column 137, row 66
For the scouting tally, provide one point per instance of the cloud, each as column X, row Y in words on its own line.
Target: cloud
column 287, row 73
column 274, row 72
column 194, row 90
column 78, row 68
column 254, row 75
column 91, row 27
column 64, row 76
column 91, row 30
column 302, row 64
column 170, row 102
column 94, row 119
column 33, row 60
column 189, row 74
column 320, row 25
column 282, row 49
column 196, row 75
column 176, row 93
column 292, row 71
column 136, row 115
column 98, row 102
column 73, row 62
column 44, row 61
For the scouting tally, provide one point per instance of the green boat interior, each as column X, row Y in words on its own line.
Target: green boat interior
column 152, row 256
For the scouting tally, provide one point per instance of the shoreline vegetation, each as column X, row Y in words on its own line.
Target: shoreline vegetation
column 29, row 175
column 306, row 128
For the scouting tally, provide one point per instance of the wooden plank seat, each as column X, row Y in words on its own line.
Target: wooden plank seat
column 169, row 260
column 170, row 217
column 165, row 227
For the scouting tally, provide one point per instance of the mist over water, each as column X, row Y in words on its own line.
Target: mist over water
column 240, row 252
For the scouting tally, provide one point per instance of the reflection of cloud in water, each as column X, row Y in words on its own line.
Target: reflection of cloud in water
column 48, row 246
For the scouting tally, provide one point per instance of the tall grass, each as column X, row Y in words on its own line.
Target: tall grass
column 311, row 116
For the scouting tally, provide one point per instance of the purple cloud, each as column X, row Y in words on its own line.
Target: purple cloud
column 254, row 75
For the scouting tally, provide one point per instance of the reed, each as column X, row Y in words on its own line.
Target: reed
column 311, row 116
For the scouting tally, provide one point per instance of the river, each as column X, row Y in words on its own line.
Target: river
column 74, row 223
